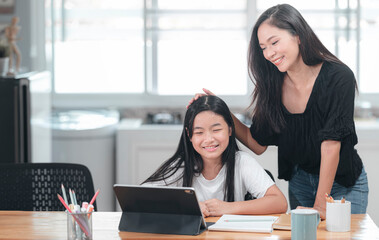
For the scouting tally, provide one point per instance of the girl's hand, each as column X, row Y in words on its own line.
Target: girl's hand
column 217, row 207
column 197, row 95
column 204, row 209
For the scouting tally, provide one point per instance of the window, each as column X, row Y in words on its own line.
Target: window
column 334, row 22
column 161, row 52
column 98, row 46
column 197, row 44
column 147, row 48
column 368, row 47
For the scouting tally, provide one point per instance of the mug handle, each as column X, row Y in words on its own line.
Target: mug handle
column 318, row 218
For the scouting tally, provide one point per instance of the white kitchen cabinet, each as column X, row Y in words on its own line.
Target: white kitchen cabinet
column 368, row 149
column 142, row 148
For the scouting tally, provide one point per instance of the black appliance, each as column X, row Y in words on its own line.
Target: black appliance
column 15, row 133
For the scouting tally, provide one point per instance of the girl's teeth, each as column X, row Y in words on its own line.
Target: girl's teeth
column 209, row 147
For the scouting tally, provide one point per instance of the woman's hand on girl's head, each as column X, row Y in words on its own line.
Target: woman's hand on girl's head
column 217, row 207
column 204, row 209
column 197, row 95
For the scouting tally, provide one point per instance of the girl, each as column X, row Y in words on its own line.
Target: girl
column 208, row 159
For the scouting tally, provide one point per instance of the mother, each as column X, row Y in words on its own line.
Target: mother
column 303, row 102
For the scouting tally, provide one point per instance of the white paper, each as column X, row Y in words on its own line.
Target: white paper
column 244, row 223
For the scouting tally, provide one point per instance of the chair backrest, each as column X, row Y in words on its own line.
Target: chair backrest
column 270, row 174
column 34, row 186
column 248, row 195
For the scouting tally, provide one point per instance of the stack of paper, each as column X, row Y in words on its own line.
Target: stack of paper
column 244, row 223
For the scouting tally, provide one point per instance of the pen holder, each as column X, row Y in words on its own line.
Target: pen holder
column 338, row 216
column 79, row 226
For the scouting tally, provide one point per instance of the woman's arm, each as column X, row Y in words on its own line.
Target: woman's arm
column 273, row 202
column 244, row 136
column 330, row 156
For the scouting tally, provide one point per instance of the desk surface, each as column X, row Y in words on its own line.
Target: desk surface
column 52, row 225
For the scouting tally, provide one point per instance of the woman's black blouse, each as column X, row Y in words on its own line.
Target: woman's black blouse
column 327, row 116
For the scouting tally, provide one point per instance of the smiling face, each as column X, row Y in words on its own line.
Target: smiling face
column 210, row 136
column 279, row 46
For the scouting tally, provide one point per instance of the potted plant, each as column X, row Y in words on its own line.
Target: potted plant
column 4, row 59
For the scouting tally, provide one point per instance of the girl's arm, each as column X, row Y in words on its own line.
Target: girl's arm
column 273, row 202
column 330, row 153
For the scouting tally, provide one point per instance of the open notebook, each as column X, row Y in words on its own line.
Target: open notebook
column 244, row 223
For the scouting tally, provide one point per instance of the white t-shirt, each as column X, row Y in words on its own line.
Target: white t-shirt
column 249, row 177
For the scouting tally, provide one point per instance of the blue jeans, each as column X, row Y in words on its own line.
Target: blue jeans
column 302, row 190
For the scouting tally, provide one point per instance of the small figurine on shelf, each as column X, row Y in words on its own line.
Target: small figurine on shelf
column 11, row 32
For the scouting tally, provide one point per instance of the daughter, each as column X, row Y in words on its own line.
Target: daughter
column 208, row 159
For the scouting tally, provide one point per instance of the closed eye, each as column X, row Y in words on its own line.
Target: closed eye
column 274, row 43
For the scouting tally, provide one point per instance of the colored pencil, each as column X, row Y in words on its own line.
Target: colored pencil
column 94, row 198
column 64, row 194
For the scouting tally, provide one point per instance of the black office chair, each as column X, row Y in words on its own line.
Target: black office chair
column 34, row 186
column 248, row 195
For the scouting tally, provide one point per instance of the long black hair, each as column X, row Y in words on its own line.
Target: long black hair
column 186, row 156
column 268, row 80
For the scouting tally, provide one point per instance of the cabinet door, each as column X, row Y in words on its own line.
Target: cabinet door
column 148, row 157
column 368, row 149
column 140, row 152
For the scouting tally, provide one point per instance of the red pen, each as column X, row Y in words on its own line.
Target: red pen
column 93, row 199
column 76, row 219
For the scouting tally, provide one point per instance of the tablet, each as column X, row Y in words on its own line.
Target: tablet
column 156, row 209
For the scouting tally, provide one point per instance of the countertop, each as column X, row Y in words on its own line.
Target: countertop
column 137, row 123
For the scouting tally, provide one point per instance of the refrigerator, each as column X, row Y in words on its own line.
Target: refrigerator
column 25, row 103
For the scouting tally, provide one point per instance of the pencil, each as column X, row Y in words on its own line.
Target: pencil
column 93, row 199
column 329, row 198
column 249, row 220
column 74, row 195
column 71, row 196
column 64, row 194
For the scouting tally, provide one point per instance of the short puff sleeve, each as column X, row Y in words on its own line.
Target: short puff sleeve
column 339, row 105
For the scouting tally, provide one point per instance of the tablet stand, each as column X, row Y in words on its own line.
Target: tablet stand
column 161, row 223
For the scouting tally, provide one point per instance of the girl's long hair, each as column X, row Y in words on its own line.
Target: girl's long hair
column 268, row 80
column 186, row 156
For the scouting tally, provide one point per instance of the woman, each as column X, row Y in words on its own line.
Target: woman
column 208, row 160
column 304, row 104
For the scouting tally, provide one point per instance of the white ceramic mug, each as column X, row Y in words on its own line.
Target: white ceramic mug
column 304, row 224
column 338, row 216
